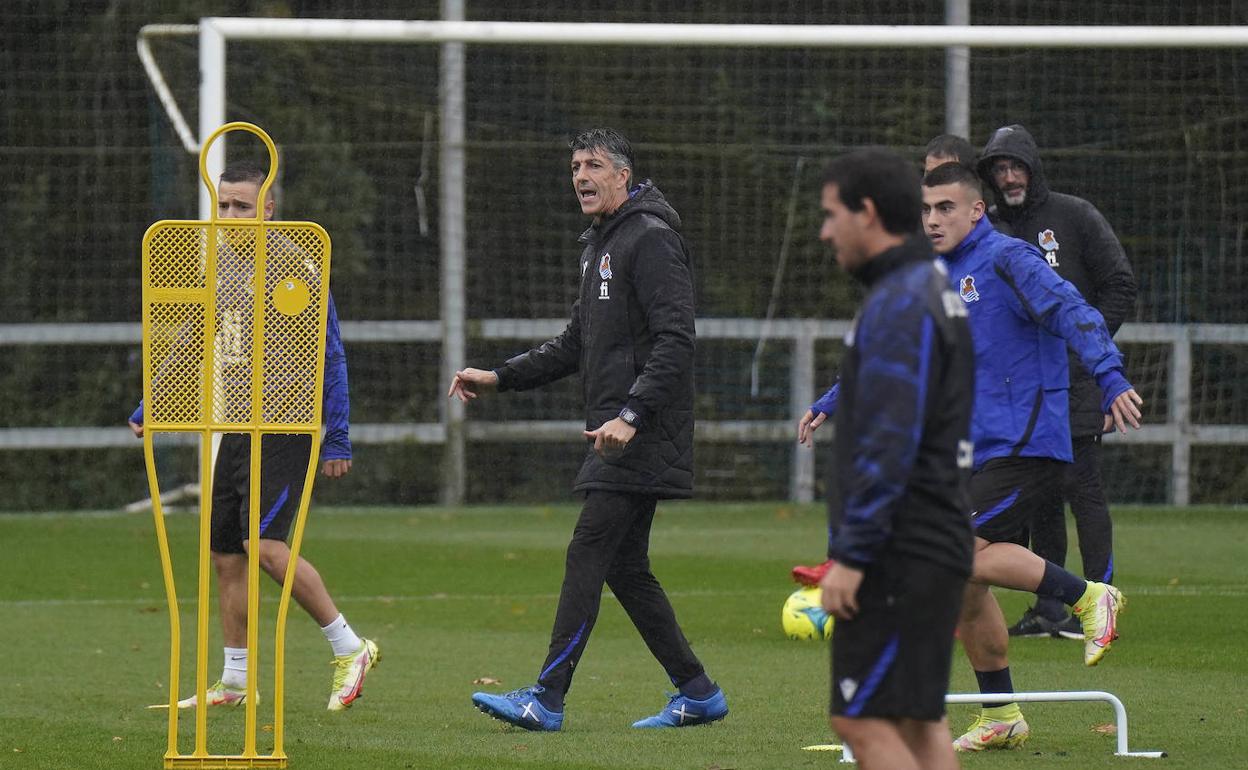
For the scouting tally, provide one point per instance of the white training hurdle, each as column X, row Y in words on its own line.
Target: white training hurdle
column 1120, row 713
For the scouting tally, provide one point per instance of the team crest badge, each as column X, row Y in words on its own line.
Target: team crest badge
column 604, row 267
column 1049, row 243
column 967, row 290
column 848, row 688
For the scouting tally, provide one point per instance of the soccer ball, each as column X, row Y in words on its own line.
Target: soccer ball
column 803, row 616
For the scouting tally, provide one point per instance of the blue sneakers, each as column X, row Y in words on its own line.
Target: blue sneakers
column 683, row 711
column 522, row 708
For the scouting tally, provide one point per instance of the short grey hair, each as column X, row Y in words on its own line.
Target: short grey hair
column 612, row 143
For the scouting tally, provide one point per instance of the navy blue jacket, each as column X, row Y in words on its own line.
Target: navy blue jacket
column 906, row 390
column 1023, row 316
column 336, row 443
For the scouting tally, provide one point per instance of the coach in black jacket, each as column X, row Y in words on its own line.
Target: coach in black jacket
column 1081, row 246
column 631, row 336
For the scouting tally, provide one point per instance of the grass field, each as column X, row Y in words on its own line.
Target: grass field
column 454, row 595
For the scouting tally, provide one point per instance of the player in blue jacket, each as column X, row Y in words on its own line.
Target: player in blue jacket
column 283, row 470
column 903, row 544
column 1023, row 316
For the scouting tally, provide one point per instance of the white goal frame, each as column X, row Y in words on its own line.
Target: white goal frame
column 453, row 33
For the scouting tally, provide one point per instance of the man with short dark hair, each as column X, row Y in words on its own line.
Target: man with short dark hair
column 1081, row 246
column 901, row 535
column 945, row 148
column 1022, row 317
column 284, row 466
column 631, row 337
column 948, row 148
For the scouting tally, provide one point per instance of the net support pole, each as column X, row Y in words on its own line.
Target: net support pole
column 211, row 107
column 958, row 73
column 451, row 182
column 1181, row 418
column 801, row 396
column 211, row 117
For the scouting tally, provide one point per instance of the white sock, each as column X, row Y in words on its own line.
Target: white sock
column 235, row 673
column 341, row 637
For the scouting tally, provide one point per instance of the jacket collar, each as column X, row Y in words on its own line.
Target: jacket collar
column 977, row 234
column 913, row 249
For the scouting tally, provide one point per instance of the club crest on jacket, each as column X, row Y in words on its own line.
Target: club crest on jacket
column 1048, row 242
column 967, row 290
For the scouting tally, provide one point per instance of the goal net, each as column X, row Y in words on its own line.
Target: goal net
column 735, row 136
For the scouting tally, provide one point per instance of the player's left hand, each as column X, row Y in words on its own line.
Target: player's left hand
column 612, row 437
column 1126, row 409
column 335, row 469
column 840, row 591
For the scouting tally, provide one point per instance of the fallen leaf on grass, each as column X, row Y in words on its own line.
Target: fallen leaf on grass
column 1105, row 729
column 487, row 680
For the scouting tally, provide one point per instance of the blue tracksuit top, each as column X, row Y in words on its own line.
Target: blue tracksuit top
column 336, row 443
column 1023, row 315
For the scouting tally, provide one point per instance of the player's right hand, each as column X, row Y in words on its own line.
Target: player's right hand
column 807, row 425
column 135, row 428
column 840, row 591
column 467, row 384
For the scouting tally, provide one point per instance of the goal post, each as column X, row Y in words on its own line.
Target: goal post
column 215, row 35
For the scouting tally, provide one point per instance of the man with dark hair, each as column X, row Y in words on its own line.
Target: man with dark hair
column 1022, row 317
column 901, row 536
column 945, row 148
column 284, row 466
column 948, row 148
column 631, row 337
column 1081, row 246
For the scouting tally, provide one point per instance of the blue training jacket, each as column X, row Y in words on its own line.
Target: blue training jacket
column 1023, row 316
column 336, row 444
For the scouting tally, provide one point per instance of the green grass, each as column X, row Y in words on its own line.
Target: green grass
column 453, row 595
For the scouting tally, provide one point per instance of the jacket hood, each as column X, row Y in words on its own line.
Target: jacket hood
column 1015, row 142
column 645, row 198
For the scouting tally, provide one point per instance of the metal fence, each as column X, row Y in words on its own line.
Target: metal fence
column 1180, row 432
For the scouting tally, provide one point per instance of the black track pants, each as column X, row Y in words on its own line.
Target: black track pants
column 1081, row 486
column 611, row 544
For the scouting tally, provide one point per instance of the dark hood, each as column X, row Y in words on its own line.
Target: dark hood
column 1014, row 142
column 645, row 198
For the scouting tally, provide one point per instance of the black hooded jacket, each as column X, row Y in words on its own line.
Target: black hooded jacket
column 1078, row 243
column 631, row 335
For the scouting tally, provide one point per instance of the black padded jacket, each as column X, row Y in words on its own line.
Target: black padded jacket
column 631, row 336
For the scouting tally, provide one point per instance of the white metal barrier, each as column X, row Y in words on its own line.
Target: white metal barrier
column 1120, row 713
column 801, row 334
